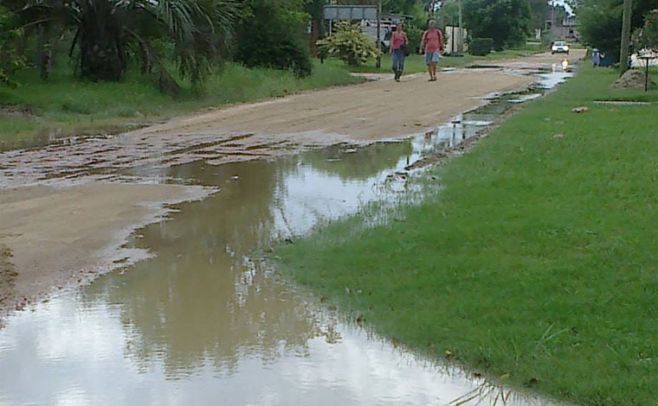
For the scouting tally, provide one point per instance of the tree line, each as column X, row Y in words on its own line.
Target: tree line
column 103, row 39
column 190, row 39
column 601, row 23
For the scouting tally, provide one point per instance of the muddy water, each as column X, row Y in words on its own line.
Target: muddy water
column 205, row 321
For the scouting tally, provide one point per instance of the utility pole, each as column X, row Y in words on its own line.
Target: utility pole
column 378, row 64
column 461, row 29
column 625, row 36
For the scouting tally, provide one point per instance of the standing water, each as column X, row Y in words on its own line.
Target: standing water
column 203, row 322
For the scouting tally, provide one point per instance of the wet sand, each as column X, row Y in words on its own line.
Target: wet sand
column 367, row 112
column 53, row 237
column 64, row 235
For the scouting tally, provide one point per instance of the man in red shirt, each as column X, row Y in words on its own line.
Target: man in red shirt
column 432, row 44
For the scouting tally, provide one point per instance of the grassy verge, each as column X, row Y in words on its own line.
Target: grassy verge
column 416, row 63
column 69, row 106
column 537, row 262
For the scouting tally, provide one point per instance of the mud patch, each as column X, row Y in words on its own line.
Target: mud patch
column 7, row 277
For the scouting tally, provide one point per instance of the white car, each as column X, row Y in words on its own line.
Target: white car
column 560, row 47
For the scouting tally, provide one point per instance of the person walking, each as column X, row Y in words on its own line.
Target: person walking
column 596, row 58
column 399, row 43
column 432, row 44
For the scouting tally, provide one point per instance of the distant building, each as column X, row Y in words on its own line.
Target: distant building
column 455, row 43
column 564, row 30
column 388, row 23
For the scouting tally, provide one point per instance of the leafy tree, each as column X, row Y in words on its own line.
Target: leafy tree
column 650, row 30
column 538, row 11
column 507, row 22
column 272, row 35
column 541, row 10
column 449, row 13
column 414, row 35
column 647, row 36
column 601, row 21
column 399, row 6
column 106, row 31
column 349, row 44
column 10, row 60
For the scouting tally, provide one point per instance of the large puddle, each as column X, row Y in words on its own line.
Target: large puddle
column 206, row 322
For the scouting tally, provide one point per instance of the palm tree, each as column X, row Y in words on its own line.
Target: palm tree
column 108, row 32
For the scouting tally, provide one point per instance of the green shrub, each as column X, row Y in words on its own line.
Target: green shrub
column 507, row 22
column 647, row 36
column 480, row 46
column 271, row 38
column 10, row 60
column 414, row 35
column 349, row 44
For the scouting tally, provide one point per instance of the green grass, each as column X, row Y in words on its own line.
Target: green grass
column 64, row 105
column 416, row 63
column 537, row 262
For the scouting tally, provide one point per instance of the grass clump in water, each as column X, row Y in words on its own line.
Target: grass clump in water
column 536, row 262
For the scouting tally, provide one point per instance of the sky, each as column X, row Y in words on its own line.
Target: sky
column 558, row 2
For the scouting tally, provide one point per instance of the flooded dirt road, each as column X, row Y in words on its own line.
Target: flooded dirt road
column 204, row 320
column 358, row 114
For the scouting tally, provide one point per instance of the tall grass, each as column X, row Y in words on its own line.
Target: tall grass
column 67, row 105
column 536, row 263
